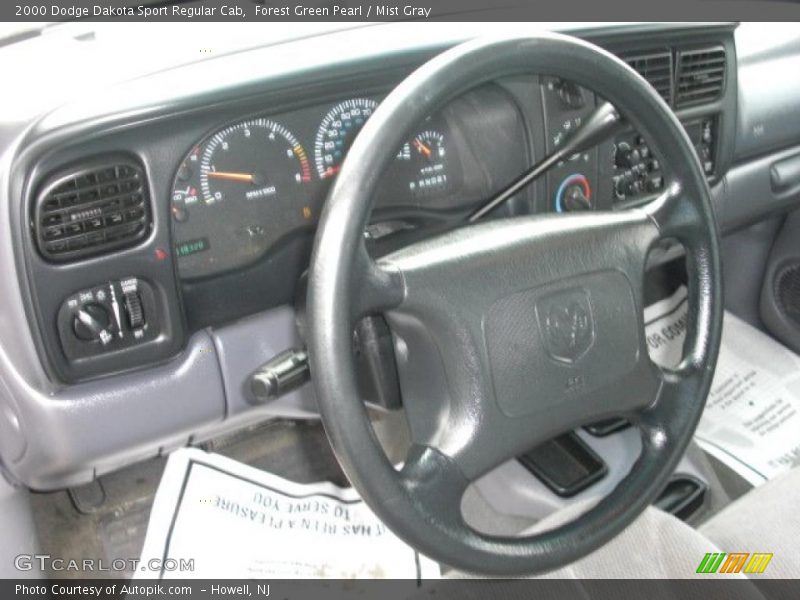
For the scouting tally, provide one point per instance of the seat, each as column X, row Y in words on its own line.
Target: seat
column 766, row 519
column 655, row 546
column 658, row 545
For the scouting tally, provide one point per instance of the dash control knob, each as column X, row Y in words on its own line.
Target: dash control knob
column 134, row 310
column 625, row 156
column 574, row 194
column 110, row 318
column 90, row 323
column 575, row 199
column 570, row 94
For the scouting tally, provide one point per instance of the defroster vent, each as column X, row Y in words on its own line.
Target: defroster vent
column 92, row 209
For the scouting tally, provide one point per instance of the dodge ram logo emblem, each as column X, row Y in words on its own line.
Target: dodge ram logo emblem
column 565, row 320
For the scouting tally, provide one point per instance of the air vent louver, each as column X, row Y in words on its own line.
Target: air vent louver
column 656, row 68
column 701, row 75
column 92, row 210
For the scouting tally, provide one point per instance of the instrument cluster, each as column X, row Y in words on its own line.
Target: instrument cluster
column 250, row 184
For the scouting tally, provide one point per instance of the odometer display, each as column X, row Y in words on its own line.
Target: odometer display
column 337, row 131
column 191, row 247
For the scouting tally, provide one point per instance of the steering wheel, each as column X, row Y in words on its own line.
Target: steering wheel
column 509, row 332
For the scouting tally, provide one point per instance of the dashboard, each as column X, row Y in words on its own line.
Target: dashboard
column 156, row 231
column 256, row 182
column 147, row 232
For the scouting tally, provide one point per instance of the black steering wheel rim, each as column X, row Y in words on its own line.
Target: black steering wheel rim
column 421, row 502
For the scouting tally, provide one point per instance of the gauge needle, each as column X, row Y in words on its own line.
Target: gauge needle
column 227, row 176
column 422, row 148
column 331, row 171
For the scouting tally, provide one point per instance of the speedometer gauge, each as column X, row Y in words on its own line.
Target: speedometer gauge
column 337, row 131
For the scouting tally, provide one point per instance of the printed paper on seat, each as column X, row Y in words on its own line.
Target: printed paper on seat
column 752, row 416
column 237, row 521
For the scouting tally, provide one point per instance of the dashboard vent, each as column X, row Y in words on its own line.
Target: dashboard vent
column 92, row 209
column 701, row 75
column 656, row 68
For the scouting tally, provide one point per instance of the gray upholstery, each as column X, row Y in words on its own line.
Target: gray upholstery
column 658, row 545
column 767, row 519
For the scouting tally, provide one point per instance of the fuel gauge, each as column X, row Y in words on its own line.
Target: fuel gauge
column 185, row 190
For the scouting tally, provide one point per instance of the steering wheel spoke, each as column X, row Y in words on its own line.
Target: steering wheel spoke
column 664, row 417
column 379, row 286
column 675, row 214
column 434, row 478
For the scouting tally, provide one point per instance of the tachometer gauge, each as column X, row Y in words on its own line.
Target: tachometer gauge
column 337, row 131
column 236, row 194
column 427, row 157
column 251, row 161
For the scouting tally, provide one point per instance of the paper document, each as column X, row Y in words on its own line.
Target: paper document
column 752, row 417
column 237, row 521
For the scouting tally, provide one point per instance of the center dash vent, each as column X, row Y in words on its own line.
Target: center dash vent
column 701, row 75
column 92, row 209
column 656, row 69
